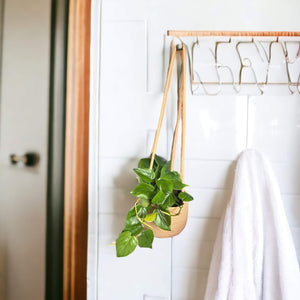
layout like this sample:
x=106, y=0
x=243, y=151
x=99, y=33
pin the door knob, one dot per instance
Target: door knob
x=29, y=159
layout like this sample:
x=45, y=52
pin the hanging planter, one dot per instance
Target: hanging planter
x=161, y=208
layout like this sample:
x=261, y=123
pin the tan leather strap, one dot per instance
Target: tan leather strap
x=181, y=115
x=163, y=107
x=181, y=111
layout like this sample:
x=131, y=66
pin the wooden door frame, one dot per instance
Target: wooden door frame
x=76, y=151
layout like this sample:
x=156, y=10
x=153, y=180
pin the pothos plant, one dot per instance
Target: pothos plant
x=159, y=189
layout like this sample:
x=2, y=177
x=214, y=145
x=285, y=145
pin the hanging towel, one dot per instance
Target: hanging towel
x=254, y=257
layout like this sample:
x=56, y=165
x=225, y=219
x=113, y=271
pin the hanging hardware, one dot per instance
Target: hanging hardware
x=210, y=33
x=194, y=72
x=245, y=62
x=235, y=86
x=296, y=56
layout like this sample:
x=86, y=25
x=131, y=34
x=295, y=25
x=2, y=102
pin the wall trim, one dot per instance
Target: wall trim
x=94, y=142
x=76, y=151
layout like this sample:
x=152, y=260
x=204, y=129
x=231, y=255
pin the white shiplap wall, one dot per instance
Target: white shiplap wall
x=125, y=102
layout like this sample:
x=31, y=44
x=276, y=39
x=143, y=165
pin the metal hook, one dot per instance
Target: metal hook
x=263, y=51
x=285, y=54
x=198, y=76
x=296, y=56
x=219, y=65
x=250, y=64
x=288, y=61
x=179, y=47
x=192, y=65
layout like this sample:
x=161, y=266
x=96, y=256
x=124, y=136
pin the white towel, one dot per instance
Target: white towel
x=254, y=256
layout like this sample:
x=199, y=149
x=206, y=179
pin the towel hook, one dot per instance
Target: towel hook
x=285, y=54
x=194, y=72
x=219, y=65
x=249, y=65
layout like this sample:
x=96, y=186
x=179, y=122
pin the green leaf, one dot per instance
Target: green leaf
x=143, y=190
x=140, y=180
x=185, y=196
x=135, y=229
x=157, y=171
x=174, y=177
x=145, y=174
x=178, y=185
x=146, y=239
x=165, y=185
x=144, y=163
x=131, y=218
x=142, y=211
x=166, y=169
x=171, y=175
x=169, y=201
x=160, y=160
x=162, y=220
x=159, y=198
x=126, y=243
x=150, y=217
x=144, y=202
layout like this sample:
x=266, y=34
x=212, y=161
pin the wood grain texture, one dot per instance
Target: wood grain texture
x=182, y=33
x=76, y=151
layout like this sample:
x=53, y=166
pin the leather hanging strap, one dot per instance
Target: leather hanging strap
x=181, y=110
x=181, y=115
x=163, y=107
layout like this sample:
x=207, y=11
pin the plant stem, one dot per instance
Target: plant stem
x=137, y=215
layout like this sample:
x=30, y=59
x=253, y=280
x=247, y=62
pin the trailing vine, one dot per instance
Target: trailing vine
x=159, y=189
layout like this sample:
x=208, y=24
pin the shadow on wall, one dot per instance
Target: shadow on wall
x=121, y=197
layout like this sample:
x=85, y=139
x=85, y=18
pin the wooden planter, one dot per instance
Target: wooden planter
x=177, y=223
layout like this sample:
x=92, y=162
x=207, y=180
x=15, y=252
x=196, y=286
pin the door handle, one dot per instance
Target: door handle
x=29, y=159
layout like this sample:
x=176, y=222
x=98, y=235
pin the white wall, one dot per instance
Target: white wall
x=125, y=105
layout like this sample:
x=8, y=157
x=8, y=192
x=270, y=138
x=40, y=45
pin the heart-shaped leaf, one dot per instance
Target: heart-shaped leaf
x=166, y=169
x=159, y=160
x=169, y=201
x=174, y=177
x=145, y=240
x=126, y=243
x=144, y=163
x=143, y=190
x=142, y=211
x=159, y=198
x=185, y=196
x=135, y=229
x=165, y=185
x=146, y=175
x=162, y=220
x=171, y=175
x=144, y=202
x=150, y=217
x=131, y=218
